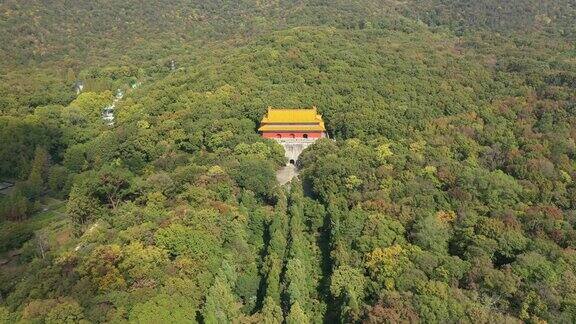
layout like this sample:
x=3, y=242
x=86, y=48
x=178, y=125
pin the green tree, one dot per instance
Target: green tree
x=256, y=175
x=58, y=181
x=380, y=231
x=348, y=285
x=16, y=206
x=7, y=317
x=141, y=264
x=274, y=267
x=182, y=240
x=101, y=267
x=297, y=315
x=67, y=311
x=114, y=184
x=298, y=284
x=82, y=206
x=38, y=177
x=432, y=234
x=221, y=305
x=164, y=308
x=271, y=312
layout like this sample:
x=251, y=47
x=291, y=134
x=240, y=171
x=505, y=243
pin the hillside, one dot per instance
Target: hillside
x=446, y=195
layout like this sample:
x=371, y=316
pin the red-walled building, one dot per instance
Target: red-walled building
x=292, y=123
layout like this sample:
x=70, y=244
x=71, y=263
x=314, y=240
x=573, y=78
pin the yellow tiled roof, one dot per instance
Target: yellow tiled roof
x=318, y=127
x=291, y=116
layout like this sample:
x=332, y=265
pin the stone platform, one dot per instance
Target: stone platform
x=294, y=146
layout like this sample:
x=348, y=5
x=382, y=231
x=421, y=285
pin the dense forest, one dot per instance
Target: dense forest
x=446, y=193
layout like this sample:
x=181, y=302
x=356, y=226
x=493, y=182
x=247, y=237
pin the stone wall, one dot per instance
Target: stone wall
x=293, y=147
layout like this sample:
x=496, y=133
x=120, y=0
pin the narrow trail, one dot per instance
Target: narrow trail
x=286, y=174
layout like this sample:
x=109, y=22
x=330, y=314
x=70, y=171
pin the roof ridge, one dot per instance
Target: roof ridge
x=292, y=115
x=311, y=108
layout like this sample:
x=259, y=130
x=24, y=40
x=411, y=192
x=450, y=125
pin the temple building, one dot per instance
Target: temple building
x=292, y=123
x=294, y=129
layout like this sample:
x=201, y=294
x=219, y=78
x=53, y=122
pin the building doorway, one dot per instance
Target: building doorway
x=292, y=161
x=292, y=136
x=278, y=135
x=305, y=135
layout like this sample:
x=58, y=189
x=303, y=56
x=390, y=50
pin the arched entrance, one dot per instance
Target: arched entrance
x=292, y=136
x=292, y=161
x=278, y=135
x=305, y=135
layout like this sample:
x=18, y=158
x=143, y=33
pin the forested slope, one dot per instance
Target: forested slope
x=446, y=195
x=49, y=29
x=552, y=17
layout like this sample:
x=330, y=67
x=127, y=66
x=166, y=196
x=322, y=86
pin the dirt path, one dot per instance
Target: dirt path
x=286, y=174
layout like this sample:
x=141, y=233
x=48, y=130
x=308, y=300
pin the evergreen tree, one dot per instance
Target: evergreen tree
x=271, y=312
x=274, y=266
x=222, y=305
x=297, y=315
x=38, y=176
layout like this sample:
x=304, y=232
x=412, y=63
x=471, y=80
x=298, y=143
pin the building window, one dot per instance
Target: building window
x=278, y=135
x=305, y=135
x=292, y=136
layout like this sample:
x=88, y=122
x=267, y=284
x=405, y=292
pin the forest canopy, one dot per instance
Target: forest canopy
x=445, y=192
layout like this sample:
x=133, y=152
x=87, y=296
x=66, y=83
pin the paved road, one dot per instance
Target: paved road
x=286, y=174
